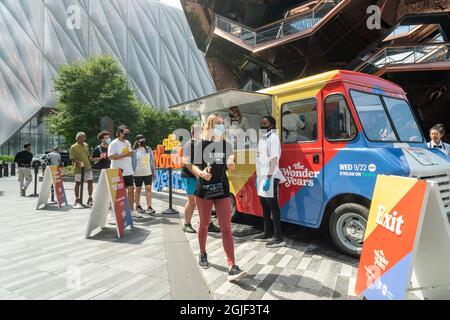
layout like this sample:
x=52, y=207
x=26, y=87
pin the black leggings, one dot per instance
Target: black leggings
x=270, y=205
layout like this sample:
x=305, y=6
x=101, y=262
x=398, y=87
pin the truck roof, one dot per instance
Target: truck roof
x=336, y=75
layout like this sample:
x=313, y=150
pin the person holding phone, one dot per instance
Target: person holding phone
x=213, y=156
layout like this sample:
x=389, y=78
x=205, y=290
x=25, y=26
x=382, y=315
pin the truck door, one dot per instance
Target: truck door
x=301, y=161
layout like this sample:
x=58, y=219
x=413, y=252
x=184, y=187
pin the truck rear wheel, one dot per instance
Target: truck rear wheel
x=347, y=227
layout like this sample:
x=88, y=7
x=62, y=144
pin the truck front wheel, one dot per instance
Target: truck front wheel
x=347, y=227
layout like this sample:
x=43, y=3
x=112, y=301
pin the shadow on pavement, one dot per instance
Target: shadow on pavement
x=135, y=236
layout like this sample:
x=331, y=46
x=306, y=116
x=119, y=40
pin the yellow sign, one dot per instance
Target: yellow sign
x=171, y=142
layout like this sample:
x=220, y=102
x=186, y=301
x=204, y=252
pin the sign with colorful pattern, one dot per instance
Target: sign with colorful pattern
x=393, y=235
x=52, y=178
x=110, y=190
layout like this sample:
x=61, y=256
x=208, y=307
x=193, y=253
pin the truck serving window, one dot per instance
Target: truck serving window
x=339, y=124
x=373, y=116
x=403, y=120
x=299, y=121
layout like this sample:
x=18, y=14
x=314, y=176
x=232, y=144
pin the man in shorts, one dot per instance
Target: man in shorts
x=79, y=154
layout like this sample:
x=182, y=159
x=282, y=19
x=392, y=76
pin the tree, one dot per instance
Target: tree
x=87, y=91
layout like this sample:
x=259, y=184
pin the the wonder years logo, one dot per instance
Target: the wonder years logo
x=299, y=175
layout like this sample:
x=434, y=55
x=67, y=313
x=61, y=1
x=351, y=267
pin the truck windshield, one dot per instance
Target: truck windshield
x=390, y=121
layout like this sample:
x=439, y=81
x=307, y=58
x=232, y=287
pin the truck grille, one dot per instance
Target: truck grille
x=443, y=182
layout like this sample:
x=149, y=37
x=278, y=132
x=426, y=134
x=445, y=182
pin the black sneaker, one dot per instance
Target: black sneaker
x=235, y=273
x=213, y=228
x=140, y=210
x=276, y=243
x=262, y=237
x=150, y=211
x=203, y=261
x=188, y=228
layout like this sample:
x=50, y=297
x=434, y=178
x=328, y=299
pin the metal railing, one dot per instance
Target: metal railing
x=397, y=55
x=280, y=29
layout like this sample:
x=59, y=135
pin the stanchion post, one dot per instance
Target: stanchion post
x=1, y=170
x=36, y=172
x=5, y=169
x=13, y=169
x=170, y=210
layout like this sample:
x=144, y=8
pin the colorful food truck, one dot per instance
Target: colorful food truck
x=338, y=131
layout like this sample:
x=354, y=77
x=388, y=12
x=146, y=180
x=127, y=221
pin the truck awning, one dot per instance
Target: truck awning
x=225, y=99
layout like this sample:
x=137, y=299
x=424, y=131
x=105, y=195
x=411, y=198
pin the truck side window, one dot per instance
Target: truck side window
x=299, y=121
x=339, y=124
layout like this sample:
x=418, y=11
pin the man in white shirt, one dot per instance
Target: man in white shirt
x=436, y=141
x=119, y=152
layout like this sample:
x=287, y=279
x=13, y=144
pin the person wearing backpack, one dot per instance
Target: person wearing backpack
x=143, y=166
x=99, y=156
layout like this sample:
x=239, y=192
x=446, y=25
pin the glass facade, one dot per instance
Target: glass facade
x=35, y=132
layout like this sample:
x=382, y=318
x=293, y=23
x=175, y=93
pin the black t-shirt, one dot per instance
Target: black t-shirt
x=23, y=158
x=104, y=163
x=216, y=154
x=188, y=150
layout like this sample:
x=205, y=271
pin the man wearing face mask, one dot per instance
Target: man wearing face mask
x=100, y=154
x=120, y=152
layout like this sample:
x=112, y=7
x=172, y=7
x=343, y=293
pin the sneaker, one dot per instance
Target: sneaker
x=262, y=237
x=213, y=228
x=136, y=214
x=235, y=273
x=22, y=192
x=150, y=211
x=275, y=243
x=188, y=228
x=203, y=261
x=140, y=210
x=90, y=202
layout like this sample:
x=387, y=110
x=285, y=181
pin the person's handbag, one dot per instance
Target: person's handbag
x=213, y=190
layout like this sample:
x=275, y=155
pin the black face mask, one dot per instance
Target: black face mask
x=142, y=143
x=266, y=128
x=126, y=135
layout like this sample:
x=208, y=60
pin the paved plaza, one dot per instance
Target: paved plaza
x=44, y=255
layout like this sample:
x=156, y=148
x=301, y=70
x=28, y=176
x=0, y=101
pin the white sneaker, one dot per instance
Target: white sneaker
x=136, y=214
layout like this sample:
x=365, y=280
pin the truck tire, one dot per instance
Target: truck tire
x=347, y=227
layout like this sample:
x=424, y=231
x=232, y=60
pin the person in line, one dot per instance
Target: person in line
x=436, y=140
x=54, y=157
x=79, y=154
x=23, y=159
x=120, y=153
x=268, y=177
x=99, y=156
x=213, y=156
x=143, y=167
x=190, y=181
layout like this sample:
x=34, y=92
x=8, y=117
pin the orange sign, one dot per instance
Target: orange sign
x=164, y=160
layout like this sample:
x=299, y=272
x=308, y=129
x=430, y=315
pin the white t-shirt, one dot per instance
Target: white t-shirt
x=118, y=147
x=268, y=148
x=143, y=163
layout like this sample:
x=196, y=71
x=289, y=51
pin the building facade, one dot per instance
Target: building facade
x=150, y=39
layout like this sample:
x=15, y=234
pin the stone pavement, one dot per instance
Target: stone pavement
x=43, y=255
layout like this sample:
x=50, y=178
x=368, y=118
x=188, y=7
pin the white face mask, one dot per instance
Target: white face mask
x=219, y=129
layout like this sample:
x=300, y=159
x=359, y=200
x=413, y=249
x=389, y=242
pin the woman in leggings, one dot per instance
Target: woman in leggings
x=213, y=156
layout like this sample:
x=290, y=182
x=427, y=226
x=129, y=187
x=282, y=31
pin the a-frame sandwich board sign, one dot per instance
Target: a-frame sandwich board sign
x=52, y=177
x=407, y=242
x=110, y=190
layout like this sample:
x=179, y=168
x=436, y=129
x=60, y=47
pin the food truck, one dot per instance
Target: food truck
x=338, y=131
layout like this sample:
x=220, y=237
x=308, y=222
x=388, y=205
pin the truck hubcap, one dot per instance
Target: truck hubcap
x=350, y=230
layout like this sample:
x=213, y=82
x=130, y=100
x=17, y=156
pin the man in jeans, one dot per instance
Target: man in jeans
x=120, y=152
x=23, y=160
x=79, y=154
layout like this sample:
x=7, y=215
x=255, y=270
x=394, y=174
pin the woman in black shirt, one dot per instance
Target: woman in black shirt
x=213, y=156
